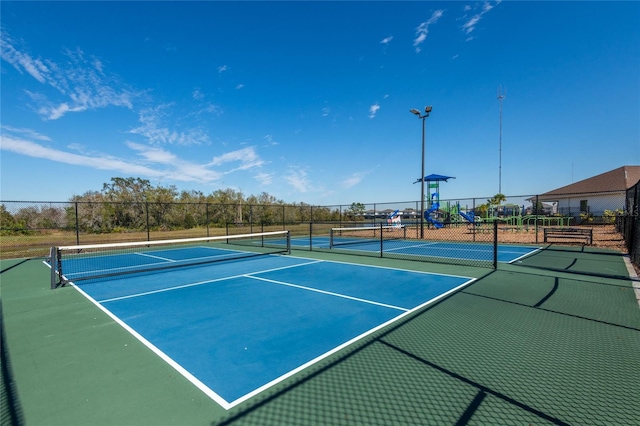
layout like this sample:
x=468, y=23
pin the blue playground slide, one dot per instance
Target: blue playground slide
x=470, y=217
x=427, y=215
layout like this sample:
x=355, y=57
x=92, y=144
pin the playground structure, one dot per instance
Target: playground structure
x=395, y=219
x=510, y=217
x=433, y=210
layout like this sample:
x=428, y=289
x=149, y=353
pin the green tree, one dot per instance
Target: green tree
x=228, y=206
x=160, y=201
x=9, y=225
x=356, y=210
x=127, y=198
x=495, y=201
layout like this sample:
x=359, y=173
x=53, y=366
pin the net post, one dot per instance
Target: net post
x=381, y=237
x=289, y=242
x=53, y=259
x=331, y=238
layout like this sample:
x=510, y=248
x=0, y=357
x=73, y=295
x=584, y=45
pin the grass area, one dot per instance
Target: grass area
x=38, y=243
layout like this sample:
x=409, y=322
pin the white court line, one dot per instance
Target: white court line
x=179, y=368
x=517, y=259
x=166, y=259
x=411, y=246
x=162, y=290
x=330, y=293
x=388, y=267
x=226, y=405
x=347, y=343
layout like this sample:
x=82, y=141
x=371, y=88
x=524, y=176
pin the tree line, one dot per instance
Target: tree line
x=136, y=204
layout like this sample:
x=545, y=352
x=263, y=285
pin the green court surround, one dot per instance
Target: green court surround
x=522, y=345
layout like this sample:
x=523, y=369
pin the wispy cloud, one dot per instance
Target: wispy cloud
x=470, y=25
x=222, y=68
x=247, y=157
x=29, y=133
x=21, y=61
x=386, y=40
x=174, y=167
x=423, y=29
x=81, y=81
x=151, y=127
x=270, y=140
x=265, y=178
x=197, y=94
x=297, y=178
x=149, y=161
x=103, y=162
x=354, y=179
x=373, y=109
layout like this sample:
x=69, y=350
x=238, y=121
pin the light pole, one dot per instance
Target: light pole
x=427, y=111
x=501, y=97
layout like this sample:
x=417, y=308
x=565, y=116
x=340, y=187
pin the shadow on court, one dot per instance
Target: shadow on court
x=515, y=347
x=578, y=260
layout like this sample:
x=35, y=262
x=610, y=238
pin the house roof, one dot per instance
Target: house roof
x=619, y=179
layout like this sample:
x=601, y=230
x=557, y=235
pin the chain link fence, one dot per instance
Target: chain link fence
x=29, y=229
x=628, y=223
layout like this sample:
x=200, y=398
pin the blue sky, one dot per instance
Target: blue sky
x=309, y=101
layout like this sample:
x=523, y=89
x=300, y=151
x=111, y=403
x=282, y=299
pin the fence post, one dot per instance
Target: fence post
x=251, y=218
x=374, y=214
x=146, y=206
x=418, y=219
x=537, y=214
x=495, y=244
x=77, y=227
x=206, y=215
x=473, y=206
x=381, y=244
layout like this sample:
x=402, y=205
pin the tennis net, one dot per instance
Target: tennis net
x=365, y=235
x=83, y=262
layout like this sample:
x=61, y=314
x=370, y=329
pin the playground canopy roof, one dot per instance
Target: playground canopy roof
x=434, y=178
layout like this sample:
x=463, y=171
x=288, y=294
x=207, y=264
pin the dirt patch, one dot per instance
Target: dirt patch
x=604, y=236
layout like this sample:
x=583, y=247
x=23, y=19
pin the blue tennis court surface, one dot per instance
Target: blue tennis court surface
x=507, y=253
x=237, y=327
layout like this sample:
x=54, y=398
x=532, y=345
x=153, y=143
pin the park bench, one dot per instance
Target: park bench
x=569, y=233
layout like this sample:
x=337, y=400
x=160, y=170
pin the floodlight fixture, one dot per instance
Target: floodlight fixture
x=428, y=109
x=414, y=111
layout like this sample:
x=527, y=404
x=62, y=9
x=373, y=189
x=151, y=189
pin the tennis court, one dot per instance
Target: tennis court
x=480, y=251
x=236, y=328
x=272, y=336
